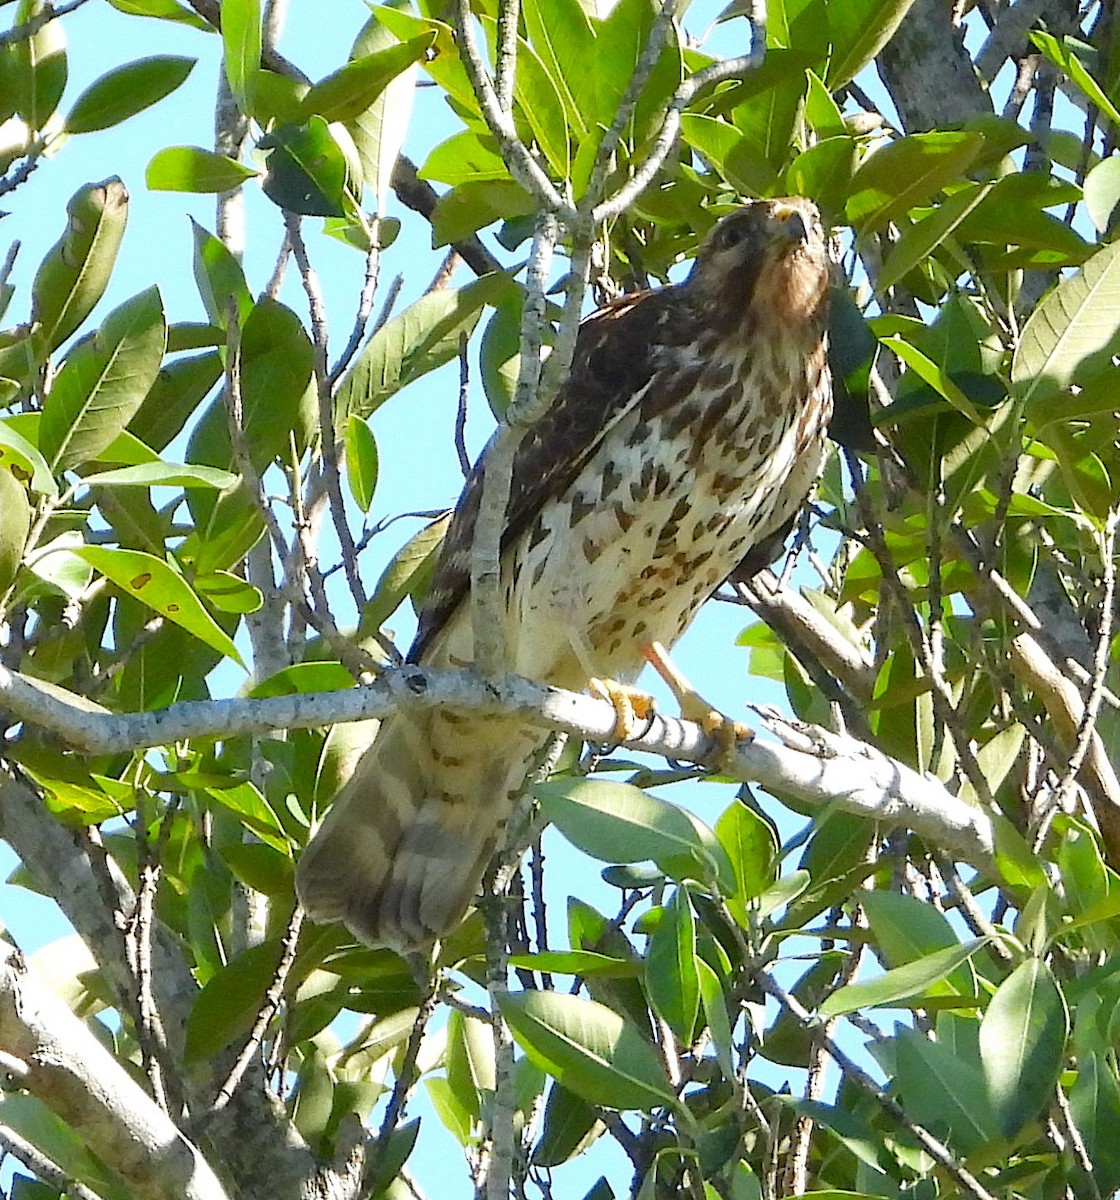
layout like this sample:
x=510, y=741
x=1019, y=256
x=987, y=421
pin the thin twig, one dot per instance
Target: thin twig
x=361, y=317
x=528, y=405
x=406, y=1072
x=461, y=410
x=29, y=28
x=329, y=446
x=267, y=1011
x=522, y=165
x=45, y=1169
x=939, y=1152
x=1088, y=726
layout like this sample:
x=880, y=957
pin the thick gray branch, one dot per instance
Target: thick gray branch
x=815, y=767
x=928, y=72
x=70, y=1071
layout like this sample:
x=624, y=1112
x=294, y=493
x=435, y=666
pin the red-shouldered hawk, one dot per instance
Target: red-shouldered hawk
x=688, y=434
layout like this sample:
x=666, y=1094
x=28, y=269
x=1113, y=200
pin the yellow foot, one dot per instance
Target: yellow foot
x=725, y=732
x=631, y=706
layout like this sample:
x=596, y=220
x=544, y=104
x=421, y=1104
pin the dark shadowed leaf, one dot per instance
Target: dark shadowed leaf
x=1022, y=1044
x=907, y=173
x=228, y=1004
x=103, y=382
x=943, y=1089
x=307, y=170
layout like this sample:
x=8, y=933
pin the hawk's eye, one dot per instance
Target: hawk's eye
x=734, y=233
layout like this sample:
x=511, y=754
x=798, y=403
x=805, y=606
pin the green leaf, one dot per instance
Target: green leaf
x=904, y=983
x=1023, y=1043
x=672, y=977
x=41, y=69
x=1061, y=53
x=246, y=800
x=125, y=91
x=907, y=173
x=565, y=43
x=470, y=206
x=228, y=592
x=20, y=456
x=464, y=158
x=241, y=44
x=151, y=581
x=576, y=962
x=191, y=169
x=351, y=90
x=103, y=382
x=470, y=1061
x=164, y=474
x=617, y=822
x=307, y=170
x=569, y=1126
x=360, y=453
x=220, y=278
x=939, y=1088
x=589, y=1049
x=415, y=342
x=73, y=276
x=752, y=848
x=228, y=1005
x=1072, y=331
x=379, y=130
x=925, y=368
x=860, y=29
x=31, y=1120
x=716, y=1018
x=409, y=566
x=179, y=388
x=1094, y=1101
x=15, y=521
x=924, y=236
x=499, y=356
x=164, y=10
x=1102, y=194
x=277, y=394
x=907, y=929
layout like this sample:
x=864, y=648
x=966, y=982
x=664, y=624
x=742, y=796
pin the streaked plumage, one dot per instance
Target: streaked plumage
x=689, y=433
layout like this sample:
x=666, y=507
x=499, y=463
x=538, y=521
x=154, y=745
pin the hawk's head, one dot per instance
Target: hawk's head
x=768, y=257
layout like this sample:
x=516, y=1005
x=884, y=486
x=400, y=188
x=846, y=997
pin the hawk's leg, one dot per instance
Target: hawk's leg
x=694, y=707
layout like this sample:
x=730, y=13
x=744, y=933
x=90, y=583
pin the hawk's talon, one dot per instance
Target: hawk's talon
x=725, y=732
x=630, y=706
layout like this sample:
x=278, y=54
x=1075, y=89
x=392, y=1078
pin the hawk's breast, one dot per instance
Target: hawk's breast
x=668, y=505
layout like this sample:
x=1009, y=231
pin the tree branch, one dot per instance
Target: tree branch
x=817, y=767
x=81, y=1082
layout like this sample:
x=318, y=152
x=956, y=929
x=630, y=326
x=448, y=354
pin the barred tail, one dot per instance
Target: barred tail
x=402, y=850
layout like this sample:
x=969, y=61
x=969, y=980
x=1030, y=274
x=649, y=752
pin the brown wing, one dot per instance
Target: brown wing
x=616, y=356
